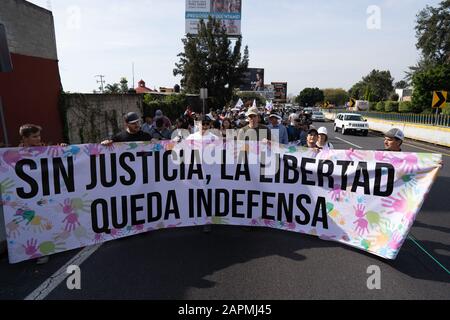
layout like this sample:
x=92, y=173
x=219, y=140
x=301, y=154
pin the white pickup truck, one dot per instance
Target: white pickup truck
x=351, y=122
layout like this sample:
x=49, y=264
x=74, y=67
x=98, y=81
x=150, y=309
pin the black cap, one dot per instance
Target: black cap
x=131, y=117
x=206, y=119
x=312, y=130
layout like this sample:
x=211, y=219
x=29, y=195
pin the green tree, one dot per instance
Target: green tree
x=376, y=86
x=337, y=97
x=402, y=84
x=310, y=96
x=432, y=32
x=425, y=82
x=210, y=61
x=123, y=85
x=112, y=88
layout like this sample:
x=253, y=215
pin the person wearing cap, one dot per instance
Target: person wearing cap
x=393, y=140
x=254, y=128
x=204, y=132
x=311, y=139
x=132, y=132
x=274, y=120
x=159, y=131
x=322, y=141
x=148, y=123
x=159, y=114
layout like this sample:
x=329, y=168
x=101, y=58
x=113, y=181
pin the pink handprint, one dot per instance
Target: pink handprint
x=396, y=161
x=71, y=222
x=254, y=222
x=337, y=193
x=93, y=149
x=361, y=222
x=360, y=210
x=269, y=223
x=410, y=163
x=139, y=228
x=99, y=238
x=395, y=204
x=361, y=226
x=11, y=157
x=380, y=155
x=67, y=207
x=353, y=154
x=31, y=248
x=35, y=151
x=290, y=225
x=395, y=242
x=115, y=233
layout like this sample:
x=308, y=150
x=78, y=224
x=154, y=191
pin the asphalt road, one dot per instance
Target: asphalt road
x=235, y=263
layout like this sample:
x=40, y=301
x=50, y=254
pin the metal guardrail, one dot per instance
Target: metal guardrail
x=441, y=120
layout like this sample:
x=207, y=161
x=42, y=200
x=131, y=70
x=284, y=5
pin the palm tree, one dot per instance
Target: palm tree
x=112, y=88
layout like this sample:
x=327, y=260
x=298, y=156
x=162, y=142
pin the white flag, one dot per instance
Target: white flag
x=269, y=105
x=254, y=104
x=240, y=103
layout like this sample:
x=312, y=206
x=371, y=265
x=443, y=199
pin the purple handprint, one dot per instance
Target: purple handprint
x=337, y=193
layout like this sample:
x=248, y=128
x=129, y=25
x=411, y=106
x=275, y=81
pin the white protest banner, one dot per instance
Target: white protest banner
x=62, y=198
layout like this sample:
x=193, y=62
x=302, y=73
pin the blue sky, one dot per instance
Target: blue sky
x=320, y=43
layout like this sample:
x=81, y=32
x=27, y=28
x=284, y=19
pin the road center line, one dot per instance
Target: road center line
x=352, y=144
x=53, y=281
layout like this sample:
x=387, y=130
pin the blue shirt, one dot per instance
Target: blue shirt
x=282, y=132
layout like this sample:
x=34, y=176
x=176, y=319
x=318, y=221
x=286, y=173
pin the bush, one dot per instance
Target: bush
x=391, y=106
x=394, y=97
x=446, y=109
x=172, y=106
x=380, y=106
x=405, y=107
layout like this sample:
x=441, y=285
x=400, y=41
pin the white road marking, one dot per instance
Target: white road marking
x=352, y=144
x=59, y=276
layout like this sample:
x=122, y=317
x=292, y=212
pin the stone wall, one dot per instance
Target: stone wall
x=91, y=118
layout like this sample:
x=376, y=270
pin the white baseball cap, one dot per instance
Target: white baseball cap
x=322, y=130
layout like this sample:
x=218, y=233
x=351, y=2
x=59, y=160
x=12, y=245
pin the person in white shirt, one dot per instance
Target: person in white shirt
x=322, y=141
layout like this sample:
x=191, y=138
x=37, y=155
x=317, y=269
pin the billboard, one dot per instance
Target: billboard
x=280, y=89
x=228, y=11
x=253, y=80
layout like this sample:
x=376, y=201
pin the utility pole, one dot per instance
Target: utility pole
x=101, y=81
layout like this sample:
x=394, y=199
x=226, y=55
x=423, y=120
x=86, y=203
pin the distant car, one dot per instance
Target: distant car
x=308, y=110
x=351, y=122
x=317, y=116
